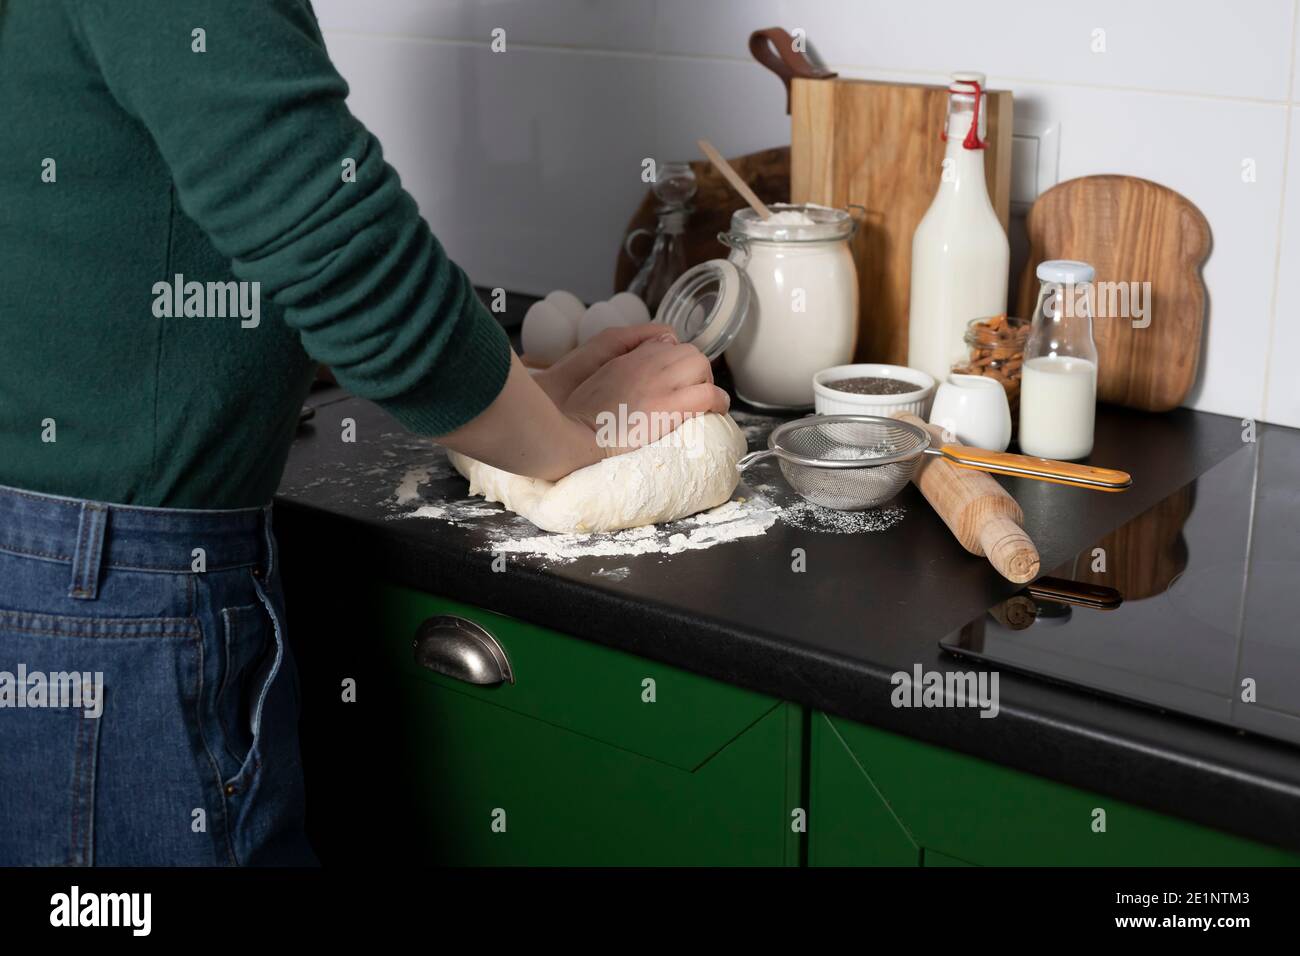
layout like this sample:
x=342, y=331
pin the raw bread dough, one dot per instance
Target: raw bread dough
x=690, y=469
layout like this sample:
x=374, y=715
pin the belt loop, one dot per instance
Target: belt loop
x=89, y=552
x=268, y=562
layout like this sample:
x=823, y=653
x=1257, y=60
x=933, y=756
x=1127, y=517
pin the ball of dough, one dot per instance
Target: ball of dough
x=547, y=335
x=569, y=304
x=601, y=316
x=690, y=469
x=632, y=307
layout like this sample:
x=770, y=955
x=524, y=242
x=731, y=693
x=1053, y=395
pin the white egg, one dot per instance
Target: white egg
x=547, y=335
x=632, y=308
x=601, y=316
x=569, y=304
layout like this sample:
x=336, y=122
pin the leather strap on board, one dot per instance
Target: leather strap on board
x=774, y=48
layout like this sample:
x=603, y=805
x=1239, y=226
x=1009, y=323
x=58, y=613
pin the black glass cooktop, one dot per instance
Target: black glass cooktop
x=1187, y=608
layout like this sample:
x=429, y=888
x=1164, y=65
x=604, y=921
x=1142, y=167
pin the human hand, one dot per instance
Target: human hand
x=560, y=379
x=641, y=395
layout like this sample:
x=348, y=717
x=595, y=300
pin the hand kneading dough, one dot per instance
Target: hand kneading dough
x=689, y=470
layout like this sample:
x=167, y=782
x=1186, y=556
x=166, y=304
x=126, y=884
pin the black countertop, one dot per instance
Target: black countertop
x=867, y=606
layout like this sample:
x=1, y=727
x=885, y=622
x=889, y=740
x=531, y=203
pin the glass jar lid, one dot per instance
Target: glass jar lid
x=1065, y=272
x=707, y=305
x=793, y=222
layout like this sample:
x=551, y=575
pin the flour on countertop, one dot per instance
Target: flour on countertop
x=460, y=512
x=810, y=517
x=428, y=511
x=759, y=507
x=730, y=521
x=409, y=488
x=755, y=426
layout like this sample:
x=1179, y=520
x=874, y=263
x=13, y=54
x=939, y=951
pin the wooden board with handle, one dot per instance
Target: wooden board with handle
x=1131, y=231
x=979, y=512
x=878, y=145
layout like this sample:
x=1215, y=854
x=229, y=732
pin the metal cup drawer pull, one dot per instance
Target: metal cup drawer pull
x=460, y=649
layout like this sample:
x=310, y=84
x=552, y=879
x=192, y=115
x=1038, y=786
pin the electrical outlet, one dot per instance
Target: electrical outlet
x=1035, y=160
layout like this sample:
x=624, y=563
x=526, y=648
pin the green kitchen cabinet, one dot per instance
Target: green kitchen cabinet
x=880, y=798
x=590, y=757
x=850, y=821
x=595, y=756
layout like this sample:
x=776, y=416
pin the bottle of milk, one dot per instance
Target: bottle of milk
x=1058, y=387
x=960, y=255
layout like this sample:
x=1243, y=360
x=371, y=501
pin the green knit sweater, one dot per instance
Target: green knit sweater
x=146, y=140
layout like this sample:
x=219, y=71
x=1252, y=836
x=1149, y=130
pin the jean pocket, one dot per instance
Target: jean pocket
x=254, y=652
x=47, y=790
x=71, y=792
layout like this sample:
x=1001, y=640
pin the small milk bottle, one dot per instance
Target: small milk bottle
x=1058, y=388
x=960, y=255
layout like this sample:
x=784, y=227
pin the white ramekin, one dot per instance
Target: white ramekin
x=829, y=401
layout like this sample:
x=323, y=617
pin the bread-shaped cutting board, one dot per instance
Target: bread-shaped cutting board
x=1153, y=241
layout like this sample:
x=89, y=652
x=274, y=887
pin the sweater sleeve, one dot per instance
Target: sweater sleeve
x=256, y=133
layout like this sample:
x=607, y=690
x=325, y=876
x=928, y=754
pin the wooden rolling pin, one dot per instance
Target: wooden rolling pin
x=977, y=510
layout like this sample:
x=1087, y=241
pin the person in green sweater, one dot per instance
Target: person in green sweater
x=191, y=220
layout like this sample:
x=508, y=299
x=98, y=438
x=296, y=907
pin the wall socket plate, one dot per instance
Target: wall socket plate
x=1035, y=160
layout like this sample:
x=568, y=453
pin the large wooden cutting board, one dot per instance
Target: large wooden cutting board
x=878, y=145
x=1133, y=231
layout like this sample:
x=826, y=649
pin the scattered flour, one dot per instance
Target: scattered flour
x=810, y=517
x=408, y=489
x=460, y=512
x=756, y=427
x=727, y=522
x=428, y=511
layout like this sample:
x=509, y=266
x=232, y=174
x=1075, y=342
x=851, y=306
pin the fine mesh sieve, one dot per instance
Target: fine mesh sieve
x=856, y=462
x=845, y=462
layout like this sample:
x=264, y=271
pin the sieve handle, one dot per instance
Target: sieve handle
x=1039, y=469
x=753, y=458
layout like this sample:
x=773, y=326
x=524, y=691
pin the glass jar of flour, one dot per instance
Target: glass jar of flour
x=783, y=305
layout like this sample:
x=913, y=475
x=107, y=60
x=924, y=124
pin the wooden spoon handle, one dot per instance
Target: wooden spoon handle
x=733, y=177
x=1039, y=469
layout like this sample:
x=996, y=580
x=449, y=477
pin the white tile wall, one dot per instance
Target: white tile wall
x=723, y=100
x=1283, y=402
x=526, y=163
x=1195, y=146
x=602, y=24
x=1204, y=46
x=1295, y=48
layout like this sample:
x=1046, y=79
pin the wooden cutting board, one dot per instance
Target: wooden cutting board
x=1130, y=230
x=878, y=145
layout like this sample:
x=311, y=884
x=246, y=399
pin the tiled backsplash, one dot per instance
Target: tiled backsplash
x=527, y=162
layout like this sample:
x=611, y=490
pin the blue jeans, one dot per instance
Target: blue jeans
x=148, y=700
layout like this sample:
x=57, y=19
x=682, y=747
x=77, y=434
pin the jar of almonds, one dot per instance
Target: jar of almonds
x=997, y=349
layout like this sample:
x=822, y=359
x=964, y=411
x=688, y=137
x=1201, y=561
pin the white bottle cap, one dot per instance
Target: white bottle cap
x=965, y=79
x=1065, y=271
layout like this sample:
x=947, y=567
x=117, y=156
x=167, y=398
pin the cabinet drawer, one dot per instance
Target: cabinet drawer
x=975, y=811
x=651, y=709
x=490, y=786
